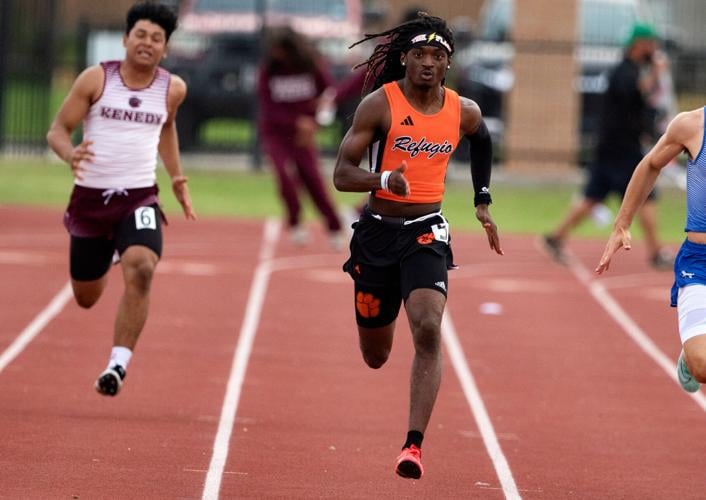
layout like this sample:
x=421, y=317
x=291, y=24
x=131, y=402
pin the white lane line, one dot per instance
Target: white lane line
x=635, y=280
x=485, y=426
x=241, y=356
x=37, y=325
x=611, y=306
x=15, y=257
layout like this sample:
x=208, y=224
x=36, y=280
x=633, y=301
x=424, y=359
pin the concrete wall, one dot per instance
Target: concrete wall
x=101, y=13
x=542, y=116
x=447, y=9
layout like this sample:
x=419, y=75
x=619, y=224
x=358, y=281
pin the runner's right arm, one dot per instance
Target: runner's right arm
x=85, y=90
x=372, y=115
x=680, y=133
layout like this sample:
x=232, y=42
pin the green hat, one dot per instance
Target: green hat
x=641, y=31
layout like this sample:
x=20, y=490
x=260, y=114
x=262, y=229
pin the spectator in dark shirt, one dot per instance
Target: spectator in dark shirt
x=290, y=81
x=627, y=120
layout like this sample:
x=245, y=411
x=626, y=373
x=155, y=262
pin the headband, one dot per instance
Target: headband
x=429, y=39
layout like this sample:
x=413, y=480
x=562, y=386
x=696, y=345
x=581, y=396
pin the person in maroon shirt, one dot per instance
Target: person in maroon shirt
x=290, y=81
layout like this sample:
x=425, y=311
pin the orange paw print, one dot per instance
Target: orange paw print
x=367, y=305
x=425, y=239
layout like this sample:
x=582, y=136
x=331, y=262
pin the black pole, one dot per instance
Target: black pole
x=260, y=9
x=50, y=30
x=83, y=30
x=5, y=7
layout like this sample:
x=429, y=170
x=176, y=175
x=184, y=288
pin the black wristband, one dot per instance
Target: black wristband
x=482, y=198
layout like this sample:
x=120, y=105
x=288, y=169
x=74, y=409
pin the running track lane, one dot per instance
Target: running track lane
x=313, y=421
x=58, y=438
x=584, y=412
x=579, y=409
x=25, y=254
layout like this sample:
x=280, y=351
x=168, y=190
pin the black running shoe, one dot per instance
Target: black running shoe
x=110, y=381
x=662, y=260
x=554, y=248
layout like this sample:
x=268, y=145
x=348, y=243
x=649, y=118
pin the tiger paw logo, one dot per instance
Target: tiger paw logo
x=425, y=239
x=367, y=304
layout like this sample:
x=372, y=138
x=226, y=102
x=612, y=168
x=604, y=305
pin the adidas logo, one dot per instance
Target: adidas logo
x=441, y=285
x=407, y=121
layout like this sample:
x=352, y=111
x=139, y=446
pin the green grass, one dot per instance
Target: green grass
x=228, y=132
x=517, y=209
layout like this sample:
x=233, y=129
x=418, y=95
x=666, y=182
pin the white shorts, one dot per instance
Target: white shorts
x=691, y=308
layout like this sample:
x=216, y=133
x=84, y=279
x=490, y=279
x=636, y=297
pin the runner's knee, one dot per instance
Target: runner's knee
x=84, y=300
x=427, y=335
x=696, y=362
x=375, y=358
x=87, y=293
x=139, y=274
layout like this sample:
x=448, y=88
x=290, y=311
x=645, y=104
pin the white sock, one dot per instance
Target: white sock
x=119, y=356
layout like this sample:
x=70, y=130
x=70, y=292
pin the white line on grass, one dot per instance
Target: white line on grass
x=38, y=323
x=241, y=356
x=611, y=306
x=468, y=384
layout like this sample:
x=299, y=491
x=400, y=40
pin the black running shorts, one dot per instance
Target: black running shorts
x=391, y=257
x=91, y=257
x=611, y=175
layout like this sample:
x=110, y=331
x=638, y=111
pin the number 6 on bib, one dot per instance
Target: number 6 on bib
x=145, y=218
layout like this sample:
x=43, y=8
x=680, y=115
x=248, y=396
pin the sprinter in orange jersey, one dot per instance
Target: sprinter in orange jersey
x=409, y=125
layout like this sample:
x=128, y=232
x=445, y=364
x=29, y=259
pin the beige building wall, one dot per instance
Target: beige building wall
x=447, y=9
x=113, y=12
x=105, y=13
x=542, y=116
x=460, y=14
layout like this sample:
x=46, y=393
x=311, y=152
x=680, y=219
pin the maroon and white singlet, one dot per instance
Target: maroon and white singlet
x=124, y=125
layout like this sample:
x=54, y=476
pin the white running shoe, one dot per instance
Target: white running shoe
x=336, y=241
x=299, y=236
x=686, y=380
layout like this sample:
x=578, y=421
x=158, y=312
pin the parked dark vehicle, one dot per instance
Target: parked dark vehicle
x=485, y=68
x=217, y=47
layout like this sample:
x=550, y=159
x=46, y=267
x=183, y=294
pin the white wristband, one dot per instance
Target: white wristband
x=383, y=180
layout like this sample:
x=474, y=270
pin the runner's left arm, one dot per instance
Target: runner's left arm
x=474, y=128
x=169, y=147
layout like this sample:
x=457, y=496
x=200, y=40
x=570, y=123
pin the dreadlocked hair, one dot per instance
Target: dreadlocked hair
x=383, y=65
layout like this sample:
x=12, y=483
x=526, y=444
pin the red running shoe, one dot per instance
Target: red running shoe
x=409, y=463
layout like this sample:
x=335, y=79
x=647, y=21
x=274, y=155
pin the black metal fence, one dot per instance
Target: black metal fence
x=33, y=50
x=27, y=60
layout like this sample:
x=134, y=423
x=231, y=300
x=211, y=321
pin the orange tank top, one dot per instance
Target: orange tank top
x=425, y=142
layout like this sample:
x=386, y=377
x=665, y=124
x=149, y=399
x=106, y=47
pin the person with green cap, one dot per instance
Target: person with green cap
x=684, y=134
x=627, y=120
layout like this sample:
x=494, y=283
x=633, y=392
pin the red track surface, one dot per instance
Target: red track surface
x=580, y=411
